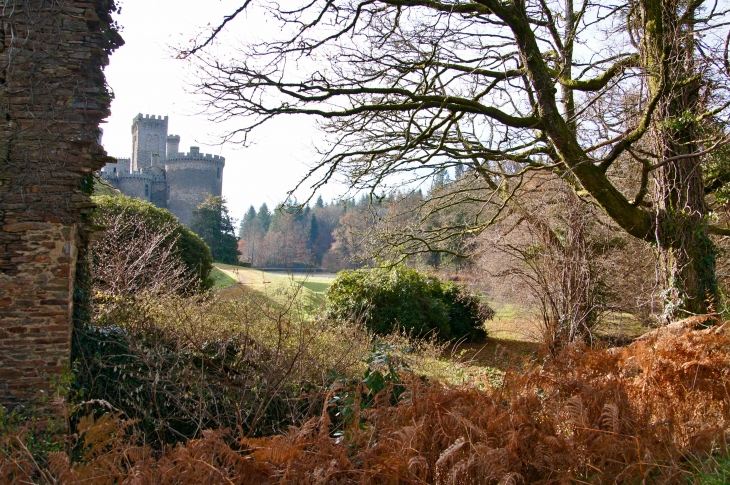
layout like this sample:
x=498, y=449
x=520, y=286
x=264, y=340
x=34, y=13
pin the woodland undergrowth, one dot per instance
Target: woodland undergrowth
x=646, y=413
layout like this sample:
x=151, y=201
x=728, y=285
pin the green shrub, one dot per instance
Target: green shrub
x=191, y=250
x=403, y=299
x=181, y=364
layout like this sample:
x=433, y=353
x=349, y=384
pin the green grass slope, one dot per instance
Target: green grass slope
x=221, y=279
x=279, y=287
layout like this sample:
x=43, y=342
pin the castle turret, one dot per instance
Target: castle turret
x=173, y=145
x=149, y=135
x=190, y=178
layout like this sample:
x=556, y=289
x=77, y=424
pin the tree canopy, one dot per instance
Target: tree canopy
x=623, y=100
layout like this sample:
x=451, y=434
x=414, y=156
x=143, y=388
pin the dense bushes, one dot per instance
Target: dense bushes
x=180, y=365
x=142, y=247
x=403, y=299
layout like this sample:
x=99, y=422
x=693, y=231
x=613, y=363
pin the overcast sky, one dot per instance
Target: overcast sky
x=146, y=79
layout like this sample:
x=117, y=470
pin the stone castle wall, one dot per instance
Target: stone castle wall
x=158, y=194
x=138, y=185
x=190, y=178
x=52, y=100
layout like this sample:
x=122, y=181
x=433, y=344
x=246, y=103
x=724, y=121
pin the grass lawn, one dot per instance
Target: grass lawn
x=316, y=285
x=513, y=335
x=277, y=286
x=619, y=328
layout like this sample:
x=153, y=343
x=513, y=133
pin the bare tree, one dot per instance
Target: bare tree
x=132, y=256
x=553, y=251
x=408, y=88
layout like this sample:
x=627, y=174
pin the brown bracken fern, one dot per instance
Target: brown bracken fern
x=631, y=415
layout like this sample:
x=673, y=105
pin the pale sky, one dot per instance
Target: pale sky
x=146, y=79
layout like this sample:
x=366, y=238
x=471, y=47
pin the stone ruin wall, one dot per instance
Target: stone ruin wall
x=53, y=97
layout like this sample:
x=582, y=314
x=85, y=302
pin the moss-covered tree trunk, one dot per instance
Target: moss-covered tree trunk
x=686, y=253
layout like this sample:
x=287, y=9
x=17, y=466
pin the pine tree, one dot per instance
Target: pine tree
x=264, y=217
x=458, y=171
x=213, y=223
x=247, y=223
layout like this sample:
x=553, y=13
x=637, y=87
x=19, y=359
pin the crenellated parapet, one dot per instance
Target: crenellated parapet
x=149, y=119
x=140, y=176
x=195, y=155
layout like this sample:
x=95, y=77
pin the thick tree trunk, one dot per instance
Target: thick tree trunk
x=686, y=253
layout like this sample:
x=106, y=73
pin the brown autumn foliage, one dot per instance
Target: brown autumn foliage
x=622, y=415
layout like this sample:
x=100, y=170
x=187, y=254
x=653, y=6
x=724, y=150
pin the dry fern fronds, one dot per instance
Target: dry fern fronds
x=449, y=452
x=610, y=418
x=587, y=416
x=577, y=413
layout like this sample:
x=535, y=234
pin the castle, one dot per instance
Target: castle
x=159, y=173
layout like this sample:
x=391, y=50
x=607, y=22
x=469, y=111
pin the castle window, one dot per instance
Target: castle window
x=115, y=169
x=146, y=190
x=218, y=172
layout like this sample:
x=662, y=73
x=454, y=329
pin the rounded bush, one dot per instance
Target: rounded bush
x=193, y=252
x=404, y=299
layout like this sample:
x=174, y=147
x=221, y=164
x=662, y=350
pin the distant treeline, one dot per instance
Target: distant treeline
x=293, y=236
x=339, y=235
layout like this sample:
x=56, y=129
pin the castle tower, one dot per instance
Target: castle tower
x=173, y=145
x=139, y=185
x=190, y=178
x=149, y=135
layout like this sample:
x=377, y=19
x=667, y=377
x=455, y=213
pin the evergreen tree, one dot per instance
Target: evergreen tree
x=247, y=223
x=458, y=171
x=320, y=203
x=264, y=217
x=440, y=180
x=299, y=214
x=213, y=223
